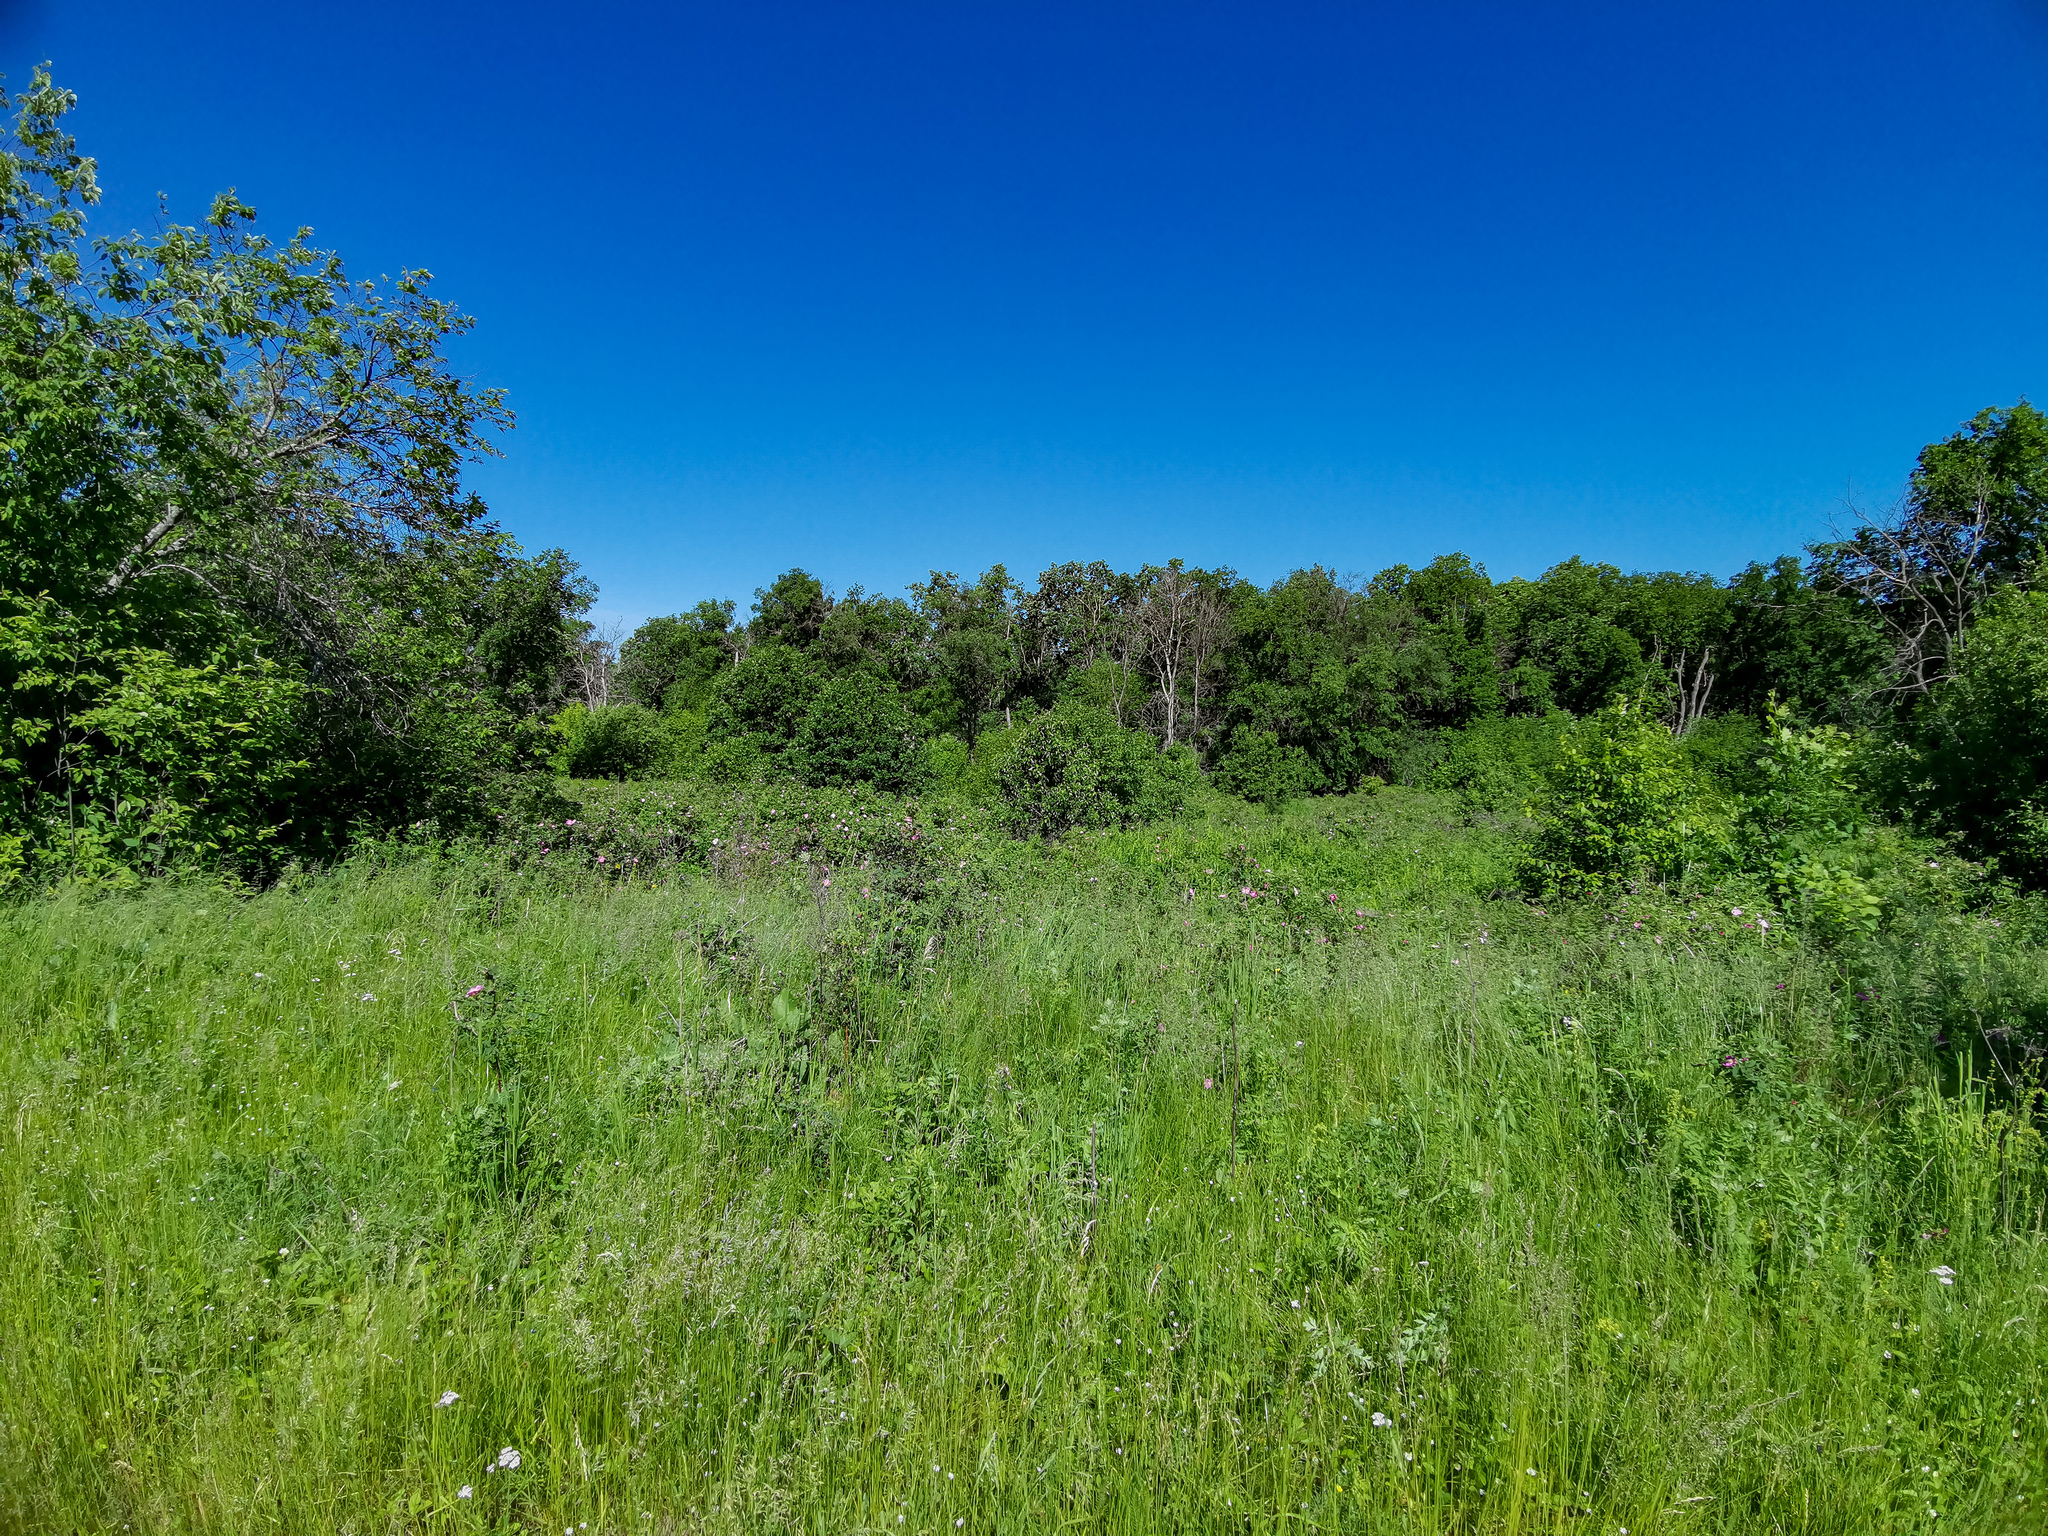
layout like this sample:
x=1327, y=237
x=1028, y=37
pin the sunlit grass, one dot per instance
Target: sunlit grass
x=1519, y=1223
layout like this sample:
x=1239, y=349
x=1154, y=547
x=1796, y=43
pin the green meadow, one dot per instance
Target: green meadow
x=813, y=1161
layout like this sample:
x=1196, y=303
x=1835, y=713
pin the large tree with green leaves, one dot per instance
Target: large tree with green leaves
x=1973, y=522
x=224, y=454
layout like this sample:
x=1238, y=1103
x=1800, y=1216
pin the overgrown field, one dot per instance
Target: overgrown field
x=1253, y=1173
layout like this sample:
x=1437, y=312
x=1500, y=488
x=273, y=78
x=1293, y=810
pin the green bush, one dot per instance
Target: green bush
x=1498, y=764
x=947, y=762
x=859, y=731
x=1722, y=749
x=167, y=763
x=764, y=698
x=1977, y=767
x=732, y=760
x=1621, y=806
x=683, y=752
x=1799, y=825
x=1075, y=767
x=613, y=741
x=1260, y=769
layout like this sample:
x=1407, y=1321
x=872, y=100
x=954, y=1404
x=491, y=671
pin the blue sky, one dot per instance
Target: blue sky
x=873, y=289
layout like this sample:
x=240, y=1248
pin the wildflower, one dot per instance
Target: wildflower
x=368, y=997
x=1735, y=911
x=465, y=1492
x=1208, y=1082
x=1944, y=1274
x=448, y=1400
x=473, y=991
x=394, y=1084
x=508, y=1458
x=1380, y=1420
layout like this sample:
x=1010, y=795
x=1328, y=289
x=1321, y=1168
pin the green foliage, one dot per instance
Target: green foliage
x=791, y=611
x=616, y=741
x=1260, y=769
x=857, y=730
x=220, y=448
x=974, y=646
x=1620, y=808
x=947, y=762
x=1996, y=467
x=1722, y=750
x=1805, y=793
x=733, y=760
x=764, y=699
x=1075, y=767
x=670, y=663
x=1499, y=765
x=1976, y=762
x=1803, y=642
x=161, y=763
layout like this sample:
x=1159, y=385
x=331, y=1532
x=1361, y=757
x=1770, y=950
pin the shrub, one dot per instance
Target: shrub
x=613, y=741
x=1620, y=806
x=683, y=751
x=1260, y=769
x=1498, y=764
x=1075, y=767
x=764, y=698
x=163, y=763
x=732, y=760
x=946, y=762
x=1979, y=765
x=858, y=731
x=1723, y=749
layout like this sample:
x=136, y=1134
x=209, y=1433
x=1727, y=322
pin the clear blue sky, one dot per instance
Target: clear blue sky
x=874, y=288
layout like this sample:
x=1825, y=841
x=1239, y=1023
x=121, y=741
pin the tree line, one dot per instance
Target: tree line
x=248, y=610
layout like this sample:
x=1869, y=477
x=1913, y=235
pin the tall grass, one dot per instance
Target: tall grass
x=1061, y=1197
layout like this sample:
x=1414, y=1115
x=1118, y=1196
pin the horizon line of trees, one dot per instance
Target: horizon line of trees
x=1322, y=682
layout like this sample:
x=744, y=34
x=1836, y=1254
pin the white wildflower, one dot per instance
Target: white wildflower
x=448, y=1400
x=508, y=1458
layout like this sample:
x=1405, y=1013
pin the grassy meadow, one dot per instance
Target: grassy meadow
x=805, y=1162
